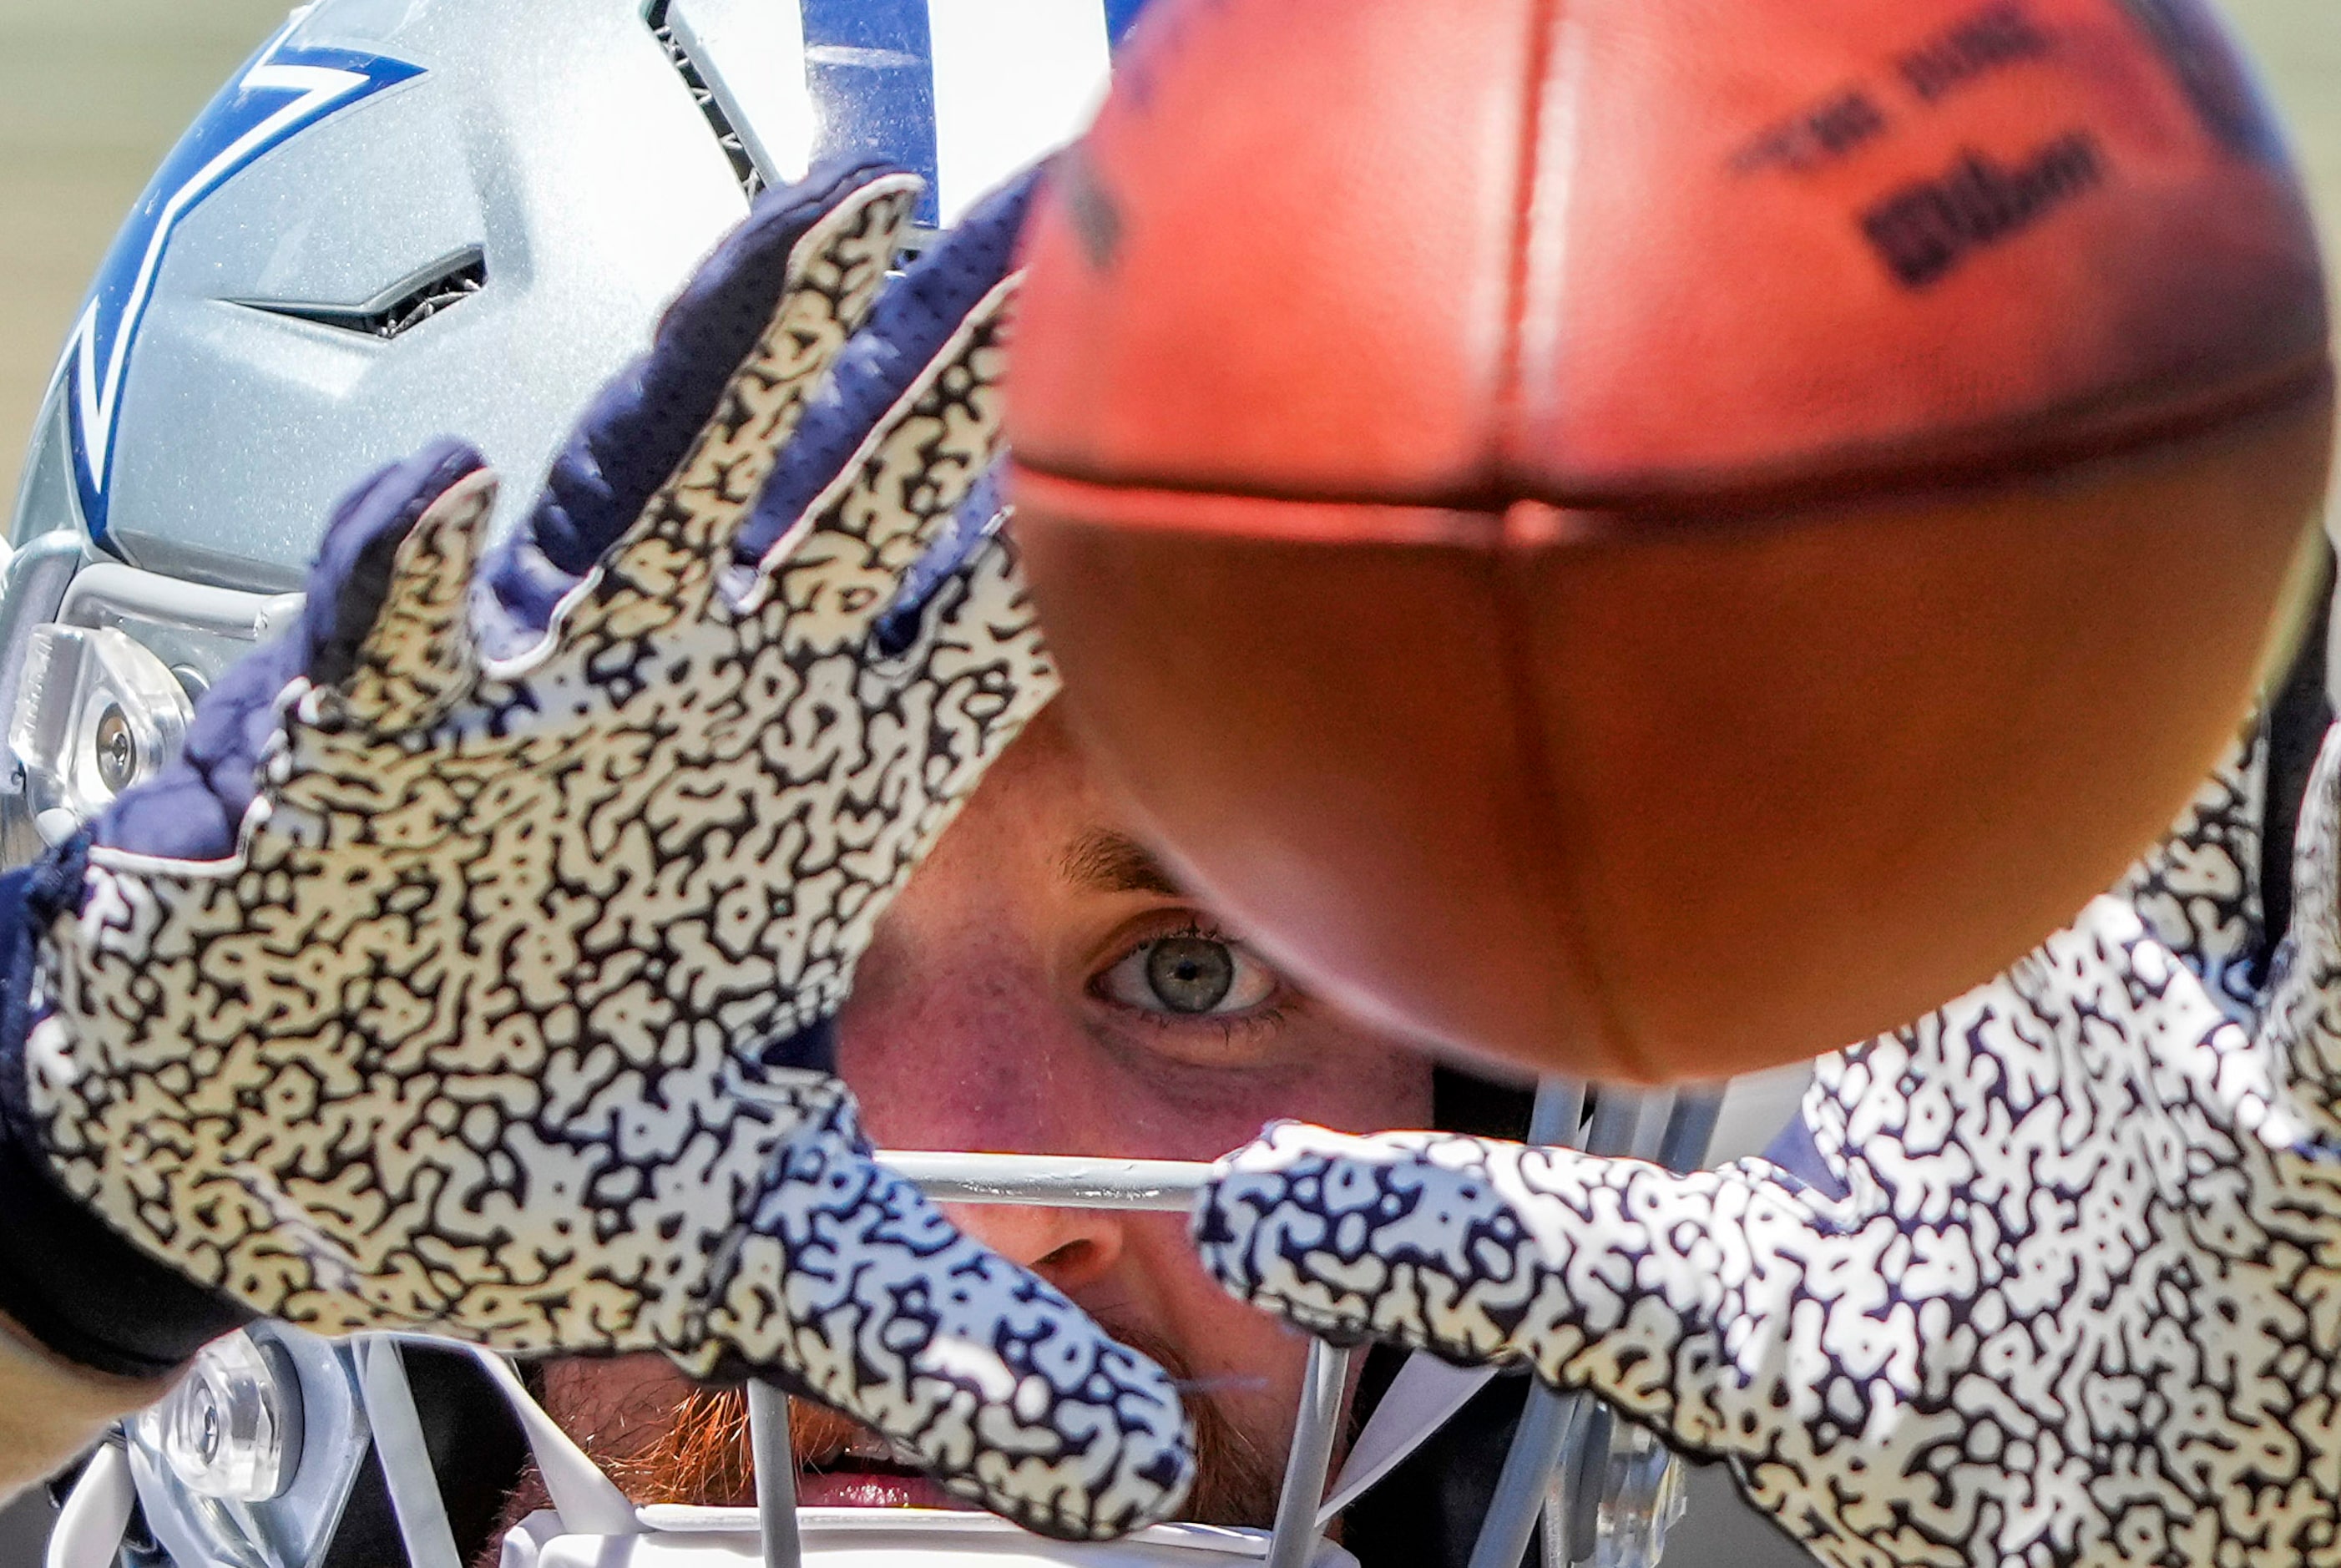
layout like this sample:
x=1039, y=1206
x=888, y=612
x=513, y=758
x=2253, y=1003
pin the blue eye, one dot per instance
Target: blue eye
x=1189, y=975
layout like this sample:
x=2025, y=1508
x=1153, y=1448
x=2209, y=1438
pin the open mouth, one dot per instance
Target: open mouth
x=665, y=1442
x=871, y=1486
x=855, y=1468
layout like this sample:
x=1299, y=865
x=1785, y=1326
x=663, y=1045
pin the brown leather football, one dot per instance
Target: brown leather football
x=1651, y=537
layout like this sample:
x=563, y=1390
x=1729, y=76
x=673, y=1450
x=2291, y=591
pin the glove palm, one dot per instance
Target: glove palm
x=2079, y=1300
x=497, y=1006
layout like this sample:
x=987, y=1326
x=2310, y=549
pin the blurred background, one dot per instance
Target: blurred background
x=93, y=92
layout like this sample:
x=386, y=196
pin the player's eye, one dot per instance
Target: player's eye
x=1189, y=975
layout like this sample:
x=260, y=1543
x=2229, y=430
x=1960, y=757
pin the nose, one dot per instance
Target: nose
x=1070, y=1248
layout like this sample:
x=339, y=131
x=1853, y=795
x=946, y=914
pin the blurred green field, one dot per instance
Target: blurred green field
x=92, y=92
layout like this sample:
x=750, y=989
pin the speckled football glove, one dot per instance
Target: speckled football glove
x=473, y=972
x=2077, y=1297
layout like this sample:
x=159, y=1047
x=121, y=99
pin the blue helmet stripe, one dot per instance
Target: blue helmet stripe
x=877, y=73
x=1119, y=15
x=283, y=91
x=871, y=67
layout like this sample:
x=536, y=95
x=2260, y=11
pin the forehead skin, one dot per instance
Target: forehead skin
x=975, y=1024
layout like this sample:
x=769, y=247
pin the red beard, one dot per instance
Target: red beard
x=664, y=1441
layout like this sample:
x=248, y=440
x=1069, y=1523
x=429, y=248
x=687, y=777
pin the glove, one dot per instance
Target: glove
x=2074, y=1297
x=472, y=974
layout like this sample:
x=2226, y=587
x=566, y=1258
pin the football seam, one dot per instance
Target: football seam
x=1619, y=1047
x=1979, y=457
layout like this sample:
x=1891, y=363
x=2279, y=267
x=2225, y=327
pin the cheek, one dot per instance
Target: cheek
x=901, y=1088
x=1327, y=1075
x=1365, y=1085
x=931, y=1075
x=961, y=1042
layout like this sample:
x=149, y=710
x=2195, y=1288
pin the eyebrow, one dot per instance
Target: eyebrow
x=1103, y=861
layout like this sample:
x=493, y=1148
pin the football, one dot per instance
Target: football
x=1651, y=537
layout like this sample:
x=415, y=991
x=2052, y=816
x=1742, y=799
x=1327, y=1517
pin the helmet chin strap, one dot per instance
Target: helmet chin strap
x=1674, y=1128
x=589, y=1503
x=89, y=1528
x=1426, y=1392
x=1423, y=1397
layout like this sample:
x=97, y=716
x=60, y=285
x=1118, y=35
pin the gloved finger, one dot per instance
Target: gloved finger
x=906, y=425
x=1656, y=1290
x=845, y=564
x=662, y=469
x=355, y=566
x=926, y=584
x=666, y=566
x=418, y=658
x=858, y=1291
x=959, y=660
x=194, y=809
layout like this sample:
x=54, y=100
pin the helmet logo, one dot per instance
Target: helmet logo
x=284, y=90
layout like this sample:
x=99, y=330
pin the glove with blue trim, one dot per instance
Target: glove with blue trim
x=2062, y=1287
x=472, y=973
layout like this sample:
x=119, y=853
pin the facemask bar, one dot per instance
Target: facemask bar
x=1560, y=1470
x=99, y=666
x=1604, y=1492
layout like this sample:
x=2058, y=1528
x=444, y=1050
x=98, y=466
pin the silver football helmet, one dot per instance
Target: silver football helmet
x=403, y=218
x=407, y=217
